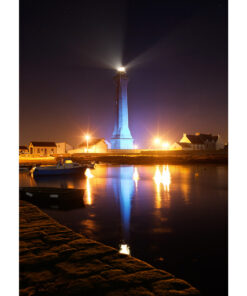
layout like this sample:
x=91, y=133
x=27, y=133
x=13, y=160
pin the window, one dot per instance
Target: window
x=38, y=150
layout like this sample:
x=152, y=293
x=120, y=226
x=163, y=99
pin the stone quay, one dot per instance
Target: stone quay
x=54, y=260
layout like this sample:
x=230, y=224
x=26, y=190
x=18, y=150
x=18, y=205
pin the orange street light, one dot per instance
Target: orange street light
x=157, y=141
x=87, y=137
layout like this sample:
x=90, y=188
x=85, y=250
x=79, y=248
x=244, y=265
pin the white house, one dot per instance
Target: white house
x=180, y=146
x=63, y=148
x=92, y=146
x=199, y=142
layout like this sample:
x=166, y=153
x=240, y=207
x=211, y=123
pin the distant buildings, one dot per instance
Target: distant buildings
x=42, y=148
x=63, y=148
x=199, y=142
x=23, y=150
x=92, y=146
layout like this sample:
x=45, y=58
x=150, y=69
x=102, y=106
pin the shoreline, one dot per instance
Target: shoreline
x=159, y=157
x=54, y=260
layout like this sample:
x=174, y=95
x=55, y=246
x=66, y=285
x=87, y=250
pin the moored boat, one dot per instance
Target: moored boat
x=63, y=167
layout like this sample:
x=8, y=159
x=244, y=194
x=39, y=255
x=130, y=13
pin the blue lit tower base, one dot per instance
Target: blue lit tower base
x=121, y=137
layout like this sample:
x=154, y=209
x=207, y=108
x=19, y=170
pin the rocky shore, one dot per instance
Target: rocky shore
x=54, y=260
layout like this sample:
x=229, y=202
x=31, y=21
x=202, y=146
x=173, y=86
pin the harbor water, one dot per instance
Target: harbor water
x=172, y=216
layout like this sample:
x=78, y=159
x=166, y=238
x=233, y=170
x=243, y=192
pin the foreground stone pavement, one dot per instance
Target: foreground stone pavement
x=54, y=260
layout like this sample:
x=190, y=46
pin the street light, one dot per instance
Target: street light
x=165, y=145
x=87, y=137
x=157, y=141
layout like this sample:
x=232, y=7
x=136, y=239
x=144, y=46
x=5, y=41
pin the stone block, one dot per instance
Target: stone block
x=174, y=286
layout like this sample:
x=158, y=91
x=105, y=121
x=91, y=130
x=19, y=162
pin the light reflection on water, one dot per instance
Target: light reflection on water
x=136, y=177
x=162, y=181
x=149, y=211
x=89, y=176
x=123, y=187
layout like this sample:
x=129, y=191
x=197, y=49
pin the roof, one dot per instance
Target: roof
x=184, y=145
x=208, y=137
x=91, y=142
x=201, y=138
x=44, y=144
x=23, y=147
x=194, y=139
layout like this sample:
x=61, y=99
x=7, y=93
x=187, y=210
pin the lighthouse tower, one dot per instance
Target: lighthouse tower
x=121, y=137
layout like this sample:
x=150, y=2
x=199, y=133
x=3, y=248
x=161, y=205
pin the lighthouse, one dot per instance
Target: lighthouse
x=121, y=137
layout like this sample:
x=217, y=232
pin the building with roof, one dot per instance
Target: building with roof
x=94, y=145
x=63, y=148
x=199, y=142
x=180, y=146
x=23, y=150
x=42, y=148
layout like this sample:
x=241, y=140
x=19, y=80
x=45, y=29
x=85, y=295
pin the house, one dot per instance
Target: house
x=200, y=142
x=92, y=146
x=180, y=146
x=42, y=148
x=23, y=150
x=63, y=148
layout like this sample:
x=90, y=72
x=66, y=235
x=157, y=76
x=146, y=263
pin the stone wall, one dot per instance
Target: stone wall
x=54, y=260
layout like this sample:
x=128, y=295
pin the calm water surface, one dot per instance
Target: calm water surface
x=174, y=217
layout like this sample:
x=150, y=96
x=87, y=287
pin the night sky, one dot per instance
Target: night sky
x=176, y=58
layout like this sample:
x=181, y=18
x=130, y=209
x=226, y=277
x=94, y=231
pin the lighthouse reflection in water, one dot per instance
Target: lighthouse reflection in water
x=124, y=187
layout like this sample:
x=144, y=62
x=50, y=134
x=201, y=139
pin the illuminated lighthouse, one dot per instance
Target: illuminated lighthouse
x=121, y=137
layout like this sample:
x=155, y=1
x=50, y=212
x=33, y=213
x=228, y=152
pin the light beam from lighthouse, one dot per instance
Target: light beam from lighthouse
x=121, y=137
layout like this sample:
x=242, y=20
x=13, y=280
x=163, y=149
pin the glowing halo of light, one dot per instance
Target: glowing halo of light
x=124, y=249
x=165, y=145
x=88, y=173
x=157, y=141
x=121, y=69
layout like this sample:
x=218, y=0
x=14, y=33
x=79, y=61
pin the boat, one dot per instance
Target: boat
x=63, y=167
x=52, y=197
x=91, y=165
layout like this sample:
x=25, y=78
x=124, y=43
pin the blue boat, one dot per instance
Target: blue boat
x=63, y=167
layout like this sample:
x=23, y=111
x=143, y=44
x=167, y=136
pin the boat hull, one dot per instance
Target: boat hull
x=57, y=172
